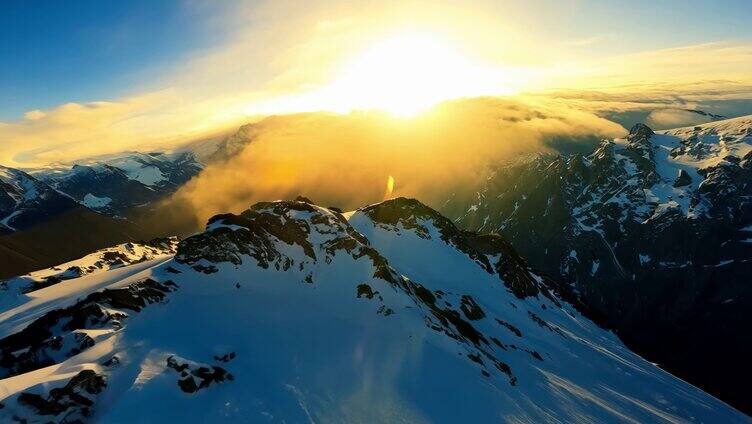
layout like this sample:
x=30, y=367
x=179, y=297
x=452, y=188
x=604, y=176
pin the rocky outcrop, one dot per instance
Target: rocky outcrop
x=683, y=179
x=194, y=376
x=71, y=403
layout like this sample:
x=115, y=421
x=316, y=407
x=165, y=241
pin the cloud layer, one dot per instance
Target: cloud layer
x=277, y=56
x=346, y=160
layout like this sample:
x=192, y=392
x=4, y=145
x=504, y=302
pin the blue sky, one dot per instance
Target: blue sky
x=83, y=50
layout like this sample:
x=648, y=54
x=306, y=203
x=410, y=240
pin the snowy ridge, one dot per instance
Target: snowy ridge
x=100, y=261
x=291, y=312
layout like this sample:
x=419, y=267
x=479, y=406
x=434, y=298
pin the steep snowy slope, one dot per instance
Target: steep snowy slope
x=653, y=233
x=116, y=183
x=290, y=312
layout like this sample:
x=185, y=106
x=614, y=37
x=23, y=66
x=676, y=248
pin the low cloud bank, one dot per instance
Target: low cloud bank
x=346, y=160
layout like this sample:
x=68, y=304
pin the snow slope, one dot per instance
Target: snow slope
x=290, y=312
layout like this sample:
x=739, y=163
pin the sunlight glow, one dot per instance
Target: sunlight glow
x=407, y=74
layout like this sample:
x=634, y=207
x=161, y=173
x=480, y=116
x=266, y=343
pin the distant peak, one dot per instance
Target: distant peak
x=394, y=210
x=304, y=200
x=640, y=130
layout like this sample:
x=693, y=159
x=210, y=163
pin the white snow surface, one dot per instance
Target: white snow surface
x=139, y=170
x=93, y=202
x=316, y=352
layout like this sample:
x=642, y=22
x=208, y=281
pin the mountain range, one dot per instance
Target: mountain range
x=85, y=203
x=116, y=184
x=653, y=232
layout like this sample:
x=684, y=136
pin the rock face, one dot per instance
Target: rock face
x=294, y=312
x=62, y=333
x=194, y=376
x=653, y=233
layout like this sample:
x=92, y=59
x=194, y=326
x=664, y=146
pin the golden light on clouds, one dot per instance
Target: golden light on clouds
x=398, y=56
x=409, y=72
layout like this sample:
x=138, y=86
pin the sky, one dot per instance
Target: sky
x=76, y=76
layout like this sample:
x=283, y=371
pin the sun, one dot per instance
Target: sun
x=408, y=73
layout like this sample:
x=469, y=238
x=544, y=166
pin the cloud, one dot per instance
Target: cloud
x=662, y=105
x=587, y=41
x=345, y=160
x=34, y=115
x=707, y=63
x=81, y=129
x=675, y=118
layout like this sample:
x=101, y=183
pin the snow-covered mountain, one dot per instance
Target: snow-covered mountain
x=653, y=232
x=117, y=183
x=25, y=201
x=293, y=312
x=40, y=226
x=102, y=260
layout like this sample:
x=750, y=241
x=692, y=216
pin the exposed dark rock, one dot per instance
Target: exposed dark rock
x=195, y=376
x=304, y=200
x=683, y=179
x=365, y=290
x=471, y=309
x=510, y=327
x=211, y=269
x=227, y=357
x=640, y=131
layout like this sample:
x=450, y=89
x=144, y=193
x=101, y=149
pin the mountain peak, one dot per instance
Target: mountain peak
x=640, y=130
